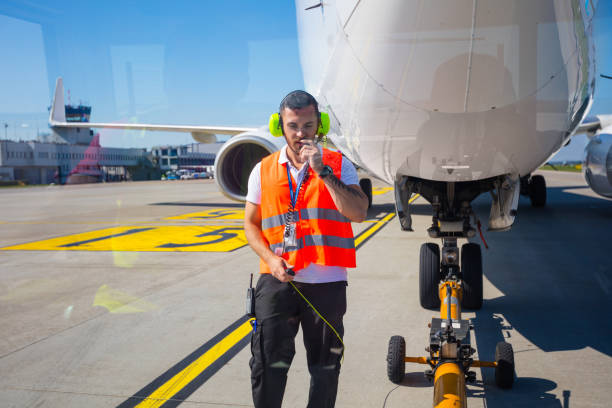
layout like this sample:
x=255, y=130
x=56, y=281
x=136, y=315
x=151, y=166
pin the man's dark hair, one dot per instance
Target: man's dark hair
x=297, y=100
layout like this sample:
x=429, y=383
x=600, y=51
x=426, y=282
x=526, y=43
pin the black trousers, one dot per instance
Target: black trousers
x=280, y=311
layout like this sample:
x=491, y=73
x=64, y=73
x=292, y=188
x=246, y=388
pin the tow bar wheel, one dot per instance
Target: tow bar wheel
x=504, y=372
x=396, y=365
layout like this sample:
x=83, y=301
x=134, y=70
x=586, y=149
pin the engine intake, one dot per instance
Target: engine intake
x=597, y=166
x=236, y=159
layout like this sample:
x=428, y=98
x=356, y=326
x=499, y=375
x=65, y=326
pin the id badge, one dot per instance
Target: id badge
x=289, y=239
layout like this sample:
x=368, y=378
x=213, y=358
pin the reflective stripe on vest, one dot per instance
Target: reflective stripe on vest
x=304, y=214
x=324, y=236
x=320, y=240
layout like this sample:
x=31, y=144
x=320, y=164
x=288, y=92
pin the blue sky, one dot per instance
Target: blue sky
x=190, y=62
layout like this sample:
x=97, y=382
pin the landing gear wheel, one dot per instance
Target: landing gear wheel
x=537, y=191
x=471, y=270
x=504, y=372
x=366, y=186
x=396, y=366
x=429, y=276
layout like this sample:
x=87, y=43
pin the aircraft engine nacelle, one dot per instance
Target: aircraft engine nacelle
x=238, y=156
x=597, y=165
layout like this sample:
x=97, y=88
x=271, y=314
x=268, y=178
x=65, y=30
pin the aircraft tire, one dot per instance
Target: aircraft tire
x=429, y=275
x=471, y=270
x=537, y=191
x=504, y=372
x=366, y=186
x=396, y=366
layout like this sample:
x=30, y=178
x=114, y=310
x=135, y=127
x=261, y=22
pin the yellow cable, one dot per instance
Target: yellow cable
x=319, y=314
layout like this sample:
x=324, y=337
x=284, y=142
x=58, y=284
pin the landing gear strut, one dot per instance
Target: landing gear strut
x=449, y=226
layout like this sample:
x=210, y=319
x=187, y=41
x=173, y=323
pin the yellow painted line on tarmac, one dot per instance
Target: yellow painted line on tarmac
x=141, y=238
x=190, y=377
x=381, y=190
x=365, y=235
x=216, y=214
x=378, y=224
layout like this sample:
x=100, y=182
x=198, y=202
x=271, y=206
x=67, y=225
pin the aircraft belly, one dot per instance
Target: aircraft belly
x=457, y=92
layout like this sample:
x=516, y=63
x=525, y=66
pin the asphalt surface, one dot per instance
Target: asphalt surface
x=133, y=293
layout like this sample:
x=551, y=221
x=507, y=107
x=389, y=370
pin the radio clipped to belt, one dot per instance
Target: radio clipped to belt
x=250, y=299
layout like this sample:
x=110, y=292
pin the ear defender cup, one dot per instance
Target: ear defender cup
x=276, y=130
x=274, y=125
x=324, y=124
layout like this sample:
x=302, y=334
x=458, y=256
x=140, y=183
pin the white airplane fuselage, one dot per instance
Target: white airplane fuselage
x=449, y=91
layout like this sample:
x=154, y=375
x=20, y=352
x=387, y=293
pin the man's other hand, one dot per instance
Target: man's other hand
x=278, y=267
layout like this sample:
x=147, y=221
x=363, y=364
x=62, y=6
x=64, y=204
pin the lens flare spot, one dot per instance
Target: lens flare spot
x=119, y=302
x=68, y=312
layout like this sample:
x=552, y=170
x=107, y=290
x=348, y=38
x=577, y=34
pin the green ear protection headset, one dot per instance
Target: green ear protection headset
x=275, y=124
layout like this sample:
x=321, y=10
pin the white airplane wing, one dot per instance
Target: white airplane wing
x=203, y=134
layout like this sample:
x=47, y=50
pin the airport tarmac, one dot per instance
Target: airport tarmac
x=132, y=294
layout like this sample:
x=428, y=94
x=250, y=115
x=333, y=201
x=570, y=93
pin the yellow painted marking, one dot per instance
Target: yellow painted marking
x=217, y=214
x=378, y=225
x=381, y=190
x=144, y=238
x=119, y=302
x=189, y=373
x=414, y=197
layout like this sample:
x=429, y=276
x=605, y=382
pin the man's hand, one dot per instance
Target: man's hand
x=278, y=267
x=310, y=151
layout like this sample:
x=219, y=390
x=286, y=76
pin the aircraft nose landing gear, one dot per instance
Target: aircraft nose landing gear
x=445, y=285
x=450, y=280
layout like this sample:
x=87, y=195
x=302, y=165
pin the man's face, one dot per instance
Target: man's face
x=299, y=124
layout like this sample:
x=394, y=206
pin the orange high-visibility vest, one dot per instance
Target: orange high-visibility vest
x=324, y=235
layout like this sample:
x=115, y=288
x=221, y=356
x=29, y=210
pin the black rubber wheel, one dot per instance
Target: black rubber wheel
x=471, y=270
x=429, y=276
x=396, y=366
x=537, y=191
x=366, y=186
x=504, y=372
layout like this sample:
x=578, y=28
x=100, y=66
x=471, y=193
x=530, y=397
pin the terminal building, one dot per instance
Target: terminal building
x=194, y=157
x=72, y=155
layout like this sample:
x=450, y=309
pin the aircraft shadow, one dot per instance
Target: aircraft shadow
x=553, y=269
x=415, y=209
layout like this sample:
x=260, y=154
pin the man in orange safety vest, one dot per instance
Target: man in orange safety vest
x=301, y=201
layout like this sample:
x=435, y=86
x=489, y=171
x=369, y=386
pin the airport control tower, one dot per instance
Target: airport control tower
x=75, y=136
